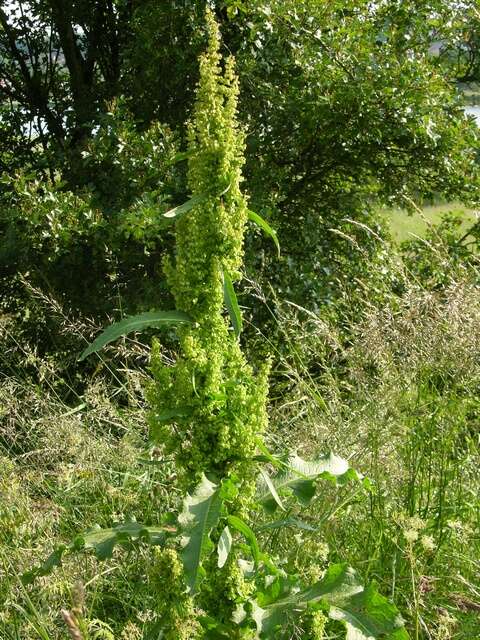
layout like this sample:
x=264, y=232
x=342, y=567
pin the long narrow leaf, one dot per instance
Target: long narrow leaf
x=102, y=542
x=263, y=224
x=248, y=534
x=224, y=547
x=231, y=302
x=271, y=488
x=139, y=322
x=177, y=212
x=201, y=513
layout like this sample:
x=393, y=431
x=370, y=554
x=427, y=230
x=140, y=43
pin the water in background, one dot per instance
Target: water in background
x=474, y=111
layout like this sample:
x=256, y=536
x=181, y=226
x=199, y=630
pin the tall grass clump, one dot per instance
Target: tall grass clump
x=399, y=396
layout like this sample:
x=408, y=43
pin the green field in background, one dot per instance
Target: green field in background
x=404, y=226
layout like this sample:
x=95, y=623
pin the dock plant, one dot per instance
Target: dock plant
x=209, y=412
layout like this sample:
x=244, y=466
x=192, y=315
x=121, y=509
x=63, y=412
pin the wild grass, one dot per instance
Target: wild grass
x=63, y=469
x=398, y=396
x=400, y=399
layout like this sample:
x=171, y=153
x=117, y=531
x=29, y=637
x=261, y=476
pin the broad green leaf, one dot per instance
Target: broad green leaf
x=176, y=212
x=224, y=546
x=231, y=302
x=263, y=224
x=102, y=542
x=201, y=513
x=213, y=629
x=135, y=323
x=248, y=534
x=365, y=613
x=299, y=477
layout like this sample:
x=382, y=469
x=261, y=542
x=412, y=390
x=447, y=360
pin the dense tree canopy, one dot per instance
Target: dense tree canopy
x=344, y=105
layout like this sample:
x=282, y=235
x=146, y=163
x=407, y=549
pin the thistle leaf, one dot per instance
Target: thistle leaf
x=231, y=302
x=201, y=513
x=135, y=323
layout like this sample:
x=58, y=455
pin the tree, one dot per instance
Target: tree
x=59, y=64
x=345, y=109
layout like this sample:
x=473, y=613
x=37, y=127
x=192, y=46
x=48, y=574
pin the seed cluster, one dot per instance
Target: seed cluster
x=214, y=403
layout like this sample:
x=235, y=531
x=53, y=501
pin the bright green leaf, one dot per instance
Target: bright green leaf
x=231, y=302
x=135, y=323
x=224, y=546
x=271, y=488
x=263, y=224
x=201, y=513
x=248, y=534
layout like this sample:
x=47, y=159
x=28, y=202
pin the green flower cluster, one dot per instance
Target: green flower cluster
x=210, y=407
x=175, y=607
x=314, y=625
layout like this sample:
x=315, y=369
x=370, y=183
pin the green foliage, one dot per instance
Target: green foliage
x=345, y=110
x=201, y=513
x=399, y=397
x=300, y=477
x=374, y=120
x=102, y=542
x=363, y=611
x=448, y=252
x=135, y=323
x=100, y=233
x=213, y=411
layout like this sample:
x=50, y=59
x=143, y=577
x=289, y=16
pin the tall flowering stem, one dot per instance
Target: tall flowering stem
x=210, y=408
